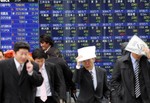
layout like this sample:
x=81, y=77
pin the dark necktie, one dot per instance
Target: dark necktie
x=93, y=79
x=137, y=84
x=91, y=74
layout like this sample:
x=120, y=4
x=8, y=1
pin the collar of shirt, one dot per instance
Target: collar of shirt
x=47, y=49
x=133, y=61
x=93, y=70
x=43, y=67
x=17, y=63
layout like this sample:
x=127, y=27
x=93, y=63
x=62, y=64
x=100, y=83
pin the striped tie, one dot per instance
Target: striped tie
x=137, y=85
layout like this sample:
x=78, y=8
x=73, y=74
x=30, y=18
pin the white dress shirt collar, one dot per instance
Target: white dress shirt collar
x=133, y=62
x=132, y=59
x=93, y=70
x=17, y=63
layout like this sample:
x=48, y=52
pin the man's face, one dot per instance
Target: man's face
x=136, y=56
x=1, y=56
x=88, y=64
x=44, y=45
x=22, y=55
x=40, y=61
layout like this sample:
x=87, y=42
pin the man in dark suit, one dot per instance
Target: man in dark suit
x=66, y=73
x=132, y=88
x=47, y=45
x=19, y=77
x=114, y=97
x=92, y=81
x=52, y=80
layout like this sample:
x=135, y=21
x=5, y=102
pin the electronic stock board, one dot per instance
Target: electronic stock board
x=76, y=23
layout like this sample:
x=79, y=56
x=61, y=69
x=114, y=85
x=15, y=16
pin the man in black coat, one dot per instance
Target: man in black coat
x=92, y=80
x=52, y=79
x=19, y=77
x=47, y=45
x=63, y=68
x=124, y=79
x=114, y=97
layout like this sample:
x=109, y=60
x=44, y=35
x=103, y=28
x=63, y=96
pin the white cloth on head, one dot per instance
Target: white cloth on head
x=136, y=45
x=86, y=53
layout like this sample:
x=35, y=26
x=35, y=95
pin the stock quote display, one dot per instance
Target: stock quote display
x=76, y=23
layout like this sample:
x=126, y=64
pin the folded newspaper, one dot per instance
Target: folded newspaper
x=136, y=45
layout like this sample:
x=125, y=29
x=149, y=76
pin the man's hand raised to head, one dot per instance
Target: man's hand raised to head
x=147, y=51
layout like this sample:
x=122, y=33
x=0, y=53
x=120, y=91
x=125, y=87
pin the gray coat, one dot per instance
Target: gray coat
x=123, y=79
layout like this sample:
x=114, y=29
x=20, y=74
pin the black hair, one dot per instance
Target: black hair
x=47, y=39
x=123, y=46
x=21, y=45
x=38, y=54
x=2, y=51
x=54, y=52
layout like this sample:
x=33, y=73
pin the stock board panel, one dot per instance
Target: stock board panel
x=74, y=24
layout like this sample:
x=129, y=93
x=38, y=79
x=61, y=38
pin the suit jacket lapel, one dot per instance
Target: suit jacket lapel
x=47, y=71
x=131, y=79
x=99, y=77
x=23, y=74
x=128, y=74
x=13, y=69
x=145, y=71
x=88, y=77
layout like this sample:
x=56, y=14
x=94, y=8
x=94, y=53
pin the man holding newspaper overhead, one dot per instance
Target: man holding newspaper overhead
x=131, y=74
x=92, y=80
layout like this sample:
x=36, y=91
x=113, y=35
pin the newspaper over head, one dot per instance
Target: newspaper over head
x=136, y=45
